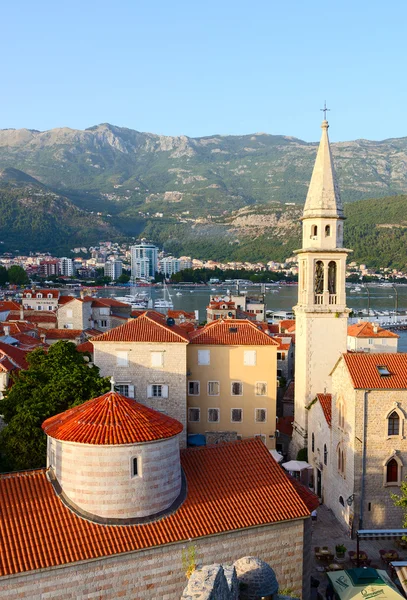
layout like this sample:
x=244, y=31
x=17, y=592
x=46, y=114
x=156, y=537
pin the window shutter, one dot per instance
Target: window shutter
x=131, y=391
x=149, y=391
x=165, y=391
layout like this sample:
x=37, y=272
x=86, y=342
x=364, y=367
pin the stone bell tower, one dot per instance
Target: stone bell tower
x=321, y=312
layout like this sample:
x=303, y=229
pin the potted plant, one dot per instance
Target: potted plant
x=340, y=550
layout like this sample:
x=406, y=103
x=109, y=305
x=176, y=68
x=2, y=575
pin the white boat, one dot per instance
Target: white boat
x=166, y=301
x=178, y=294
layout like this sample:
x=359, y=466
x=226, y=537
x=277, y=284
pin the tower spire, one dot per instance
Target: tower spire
x=323, y=198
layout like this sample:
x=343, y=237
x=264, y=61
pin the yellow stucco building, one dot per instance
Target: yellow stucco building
x=231, y=380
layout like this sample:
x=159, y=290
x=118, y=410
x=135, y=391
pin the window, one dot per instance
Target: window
x=213, y=415
x=261, y=388
x=104, y=311
x=341, y=414
x=49, y=295
x=204, y=357
x=157, y=359
x=249, y=358
x=193, y=388
x=28, y=295
x=314, y=231
x=383, y=371
x=136, y=466
x=39, y=295
x=325, y=455
x=313, y=443
x=236, y=415
x=341, y=460
x=332, y=277
x=157, y=390
x=393, y=424
x=194, y=415
x=39, y=307
x=122, y=358
x=370, y=341
x=327, y=230
x=213, y=388
x=69, y=313
x=237, y=388
x=260, y=415
x=392, y=471
x=341, y=501
x=103, y=323
x=280, y=355
x=50, y=307
x=125, y=389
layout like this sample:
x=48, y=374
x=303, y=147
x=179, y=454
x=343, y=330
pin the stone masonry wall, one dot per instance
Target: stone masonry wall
x=81, y=315
x=158, y=573
x=141, y=374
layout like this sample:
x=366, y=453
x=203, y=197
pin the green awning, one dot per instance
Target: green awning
x=363, y=584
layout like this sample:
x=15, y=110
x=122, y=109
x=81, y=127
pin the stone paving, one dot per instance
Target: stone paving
x=327, y=531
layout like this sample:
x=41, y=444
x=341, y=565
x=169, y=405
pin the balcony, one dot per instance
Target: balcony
x=332, y=298
x=319, y=299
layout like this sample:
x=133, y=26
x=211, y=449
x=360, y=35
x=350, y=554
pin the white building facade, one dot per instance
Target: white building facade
x=144, y=261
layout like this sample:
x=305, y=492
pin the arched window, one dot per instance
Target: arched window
x=332, y=277
x=327, y=230
x=314, y=231
x=325, y=455
x=393, y=424
x=392, y=471
x=49, y=296
x=341, y=459
x=319, y=277
x=39, y=295
x=341, y=415
x=313, y=442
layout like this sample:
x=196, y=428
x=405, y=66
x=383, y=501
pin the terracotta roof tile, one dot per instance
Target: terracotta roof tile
x=63, y=334
x=44, y=292
x=34, y=316
x=232, y=332
x=286, y=324
x=310, y=499
x=103, y=302
x=85, y=347
x=364, y=373
x=111, y=419
x=175, y=314
x=17, y=356
x=366, y=329
x=255, y=492
x=9, y=305
x=326, y=403
x=148, y=327
x=65, y=299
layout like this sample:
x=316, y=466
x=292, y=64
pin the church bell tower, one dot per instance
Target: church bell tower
x=321, y=312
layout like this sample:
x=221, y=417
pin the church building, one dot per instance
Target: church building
x=321, y=312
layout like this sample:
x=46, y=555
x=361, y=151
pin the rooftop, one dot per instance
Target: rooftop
x=232, y=332
x=326, y=403
x=39, y=531
x=111, y=419
x=366, y=329
x=148, y=327
x=365, y=373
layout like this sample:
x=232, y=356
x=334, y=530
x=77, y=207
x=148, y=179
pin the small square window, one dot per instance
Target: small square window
x=236, y=415
x=194, y=415
x=204, y=357
x=213, y=415
x=261, y=388
x=157, y=391
x=123, y=389
x=237, y=388
x=193, y=388
x=260, y=415
x=249, y=358
x=213, y=388
x=157, y=359
x=383, y=371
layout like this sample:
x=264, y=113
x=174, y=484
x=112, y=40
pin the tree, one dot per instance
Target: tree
x=401, y=500
x=55, y=381
x=3, y=275
x=17, y=275
x=124, y=278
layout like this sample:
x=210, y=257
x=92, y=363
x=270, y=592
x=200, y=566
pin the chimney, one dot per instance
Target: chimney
x=197, y=315
x=6, y=329
x=82, y=294
x=42, y=337
x=375, y=327
x=21, y=313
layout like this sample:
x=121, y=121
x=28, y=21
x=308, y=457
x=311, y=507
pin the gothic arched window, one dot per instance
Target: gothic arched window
x=327, y=230
x=332, y=277
x=393, y=424
x=319, y=277
x=325, y=455
x=392, y=471
x=314, y=231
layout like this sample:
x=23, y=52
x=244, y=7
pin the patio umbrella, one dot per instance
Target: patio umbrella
x=276, y=455
x=363, y=584
x=296, y=465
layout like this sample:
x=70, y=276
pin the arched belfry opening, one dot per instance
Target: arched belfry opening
x=319, y=277
x=332, y=277
x=314, y=231
x=327, y=230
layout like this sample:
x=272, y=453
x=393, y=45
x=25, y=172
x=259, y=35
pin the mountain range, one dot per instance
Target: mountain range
x=228, y=195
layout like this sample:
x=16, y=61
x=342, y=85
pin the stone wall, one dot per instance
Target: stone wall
x=158, y=573
x=75, y=314
x=318, y=426
x=100, y=481
x=211, y=583
x=141, y=374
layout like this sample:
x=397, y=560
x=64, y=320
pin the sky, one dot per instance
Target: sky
x=199, y=68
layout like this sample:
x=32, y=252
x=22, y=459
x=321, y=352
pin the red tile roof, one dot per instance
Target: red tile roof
x=222, y=305
x=176, y=314
x=111, y=419
x=363, y=370
x=44, y=292
x=232, y=332
x=103, y=302
x=65, y=299
x=310, y=499
x=85, y=347
x=39, y=531
x=286, y=324
x=63, y=334
x=9, y=305
x=16, y=355
x=148, y=327
x=326, y=403
x=366, y=329
x=34, y=316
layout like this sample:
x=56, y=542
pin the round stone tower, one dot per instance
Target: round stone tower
x=113, y=460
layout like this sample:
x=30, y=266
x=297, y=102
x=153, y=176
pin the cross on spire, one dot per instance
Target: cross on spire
x=324, y=110
x=112, y=384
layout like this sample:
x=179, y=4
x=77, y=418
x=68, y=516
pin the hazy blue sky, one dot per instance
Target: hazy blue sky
x=202, y=67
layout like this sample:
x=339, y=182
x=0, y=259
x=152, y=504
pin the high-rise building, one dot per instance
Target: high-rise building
x=144, y=263
x=113, y=269
x=169, y=266
x=321, y=312
x=66, y=267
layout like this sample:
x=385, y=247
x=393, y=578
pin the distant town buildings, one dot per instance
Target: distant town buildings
x=113, y=269
x=144, y=261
